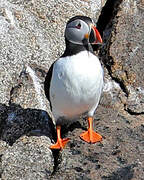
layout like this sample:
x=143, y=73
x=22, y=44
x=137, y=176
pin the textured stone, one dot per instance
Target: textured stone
x=29, y=91
x=118, y=156
x=19, y=121
x=3, y=147
x=33, y=32
x=125, y=52
x=28, y=158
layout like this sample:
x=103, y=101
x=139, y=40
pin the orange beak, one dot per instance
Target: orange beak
x=97, y=36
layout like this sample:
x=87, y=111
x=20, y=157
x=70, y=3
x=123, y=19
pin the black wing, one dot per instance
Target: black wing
x=47, y=83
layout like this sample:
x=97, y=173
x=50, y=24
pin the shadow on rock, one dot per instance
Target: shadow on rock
x=75, y=125
x=16, y=122
x=125, y=173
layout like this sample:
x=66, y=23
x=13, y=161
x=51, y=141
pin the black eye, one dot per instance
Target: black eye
x=78, y=26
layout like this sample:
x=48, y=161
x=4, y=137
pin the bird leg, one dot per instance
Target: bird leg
x=90, y=136
x=60, y=144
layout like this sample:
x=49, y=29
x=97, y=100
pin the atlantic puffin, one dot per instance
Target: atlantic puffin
x=74, y=82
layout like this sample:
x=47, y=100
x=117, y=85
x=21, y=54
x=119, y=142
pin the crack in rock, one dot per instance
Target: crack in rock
x=120, y=53
x=106, y=24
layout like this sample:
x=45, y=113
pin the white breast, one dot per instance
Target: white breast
x=76, y=85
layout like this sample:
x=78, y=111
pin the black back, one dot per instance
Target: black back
x=73, y=49
x=47, y=83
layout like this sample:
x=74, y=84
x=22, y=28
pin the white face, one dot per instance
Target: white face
x=76, y=30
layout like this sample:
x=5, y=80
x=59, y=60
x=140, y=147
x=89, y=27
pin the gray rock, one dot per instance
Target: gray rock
x=19, y=121
x=29, y=91
x=124, y=42
x=33, y=32
x=118, y=156
x=28, y=158
x=3, y=147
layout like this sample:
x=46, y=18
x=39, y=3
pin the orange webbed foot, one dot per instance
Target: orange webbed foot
x=90, y=136
x=60, y=144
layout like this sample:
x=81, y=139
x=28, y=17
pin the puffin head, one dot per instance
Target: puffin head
x=81, y=30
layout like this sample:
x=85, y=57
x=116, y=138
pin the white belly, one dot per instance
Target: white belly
x=76, y=85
